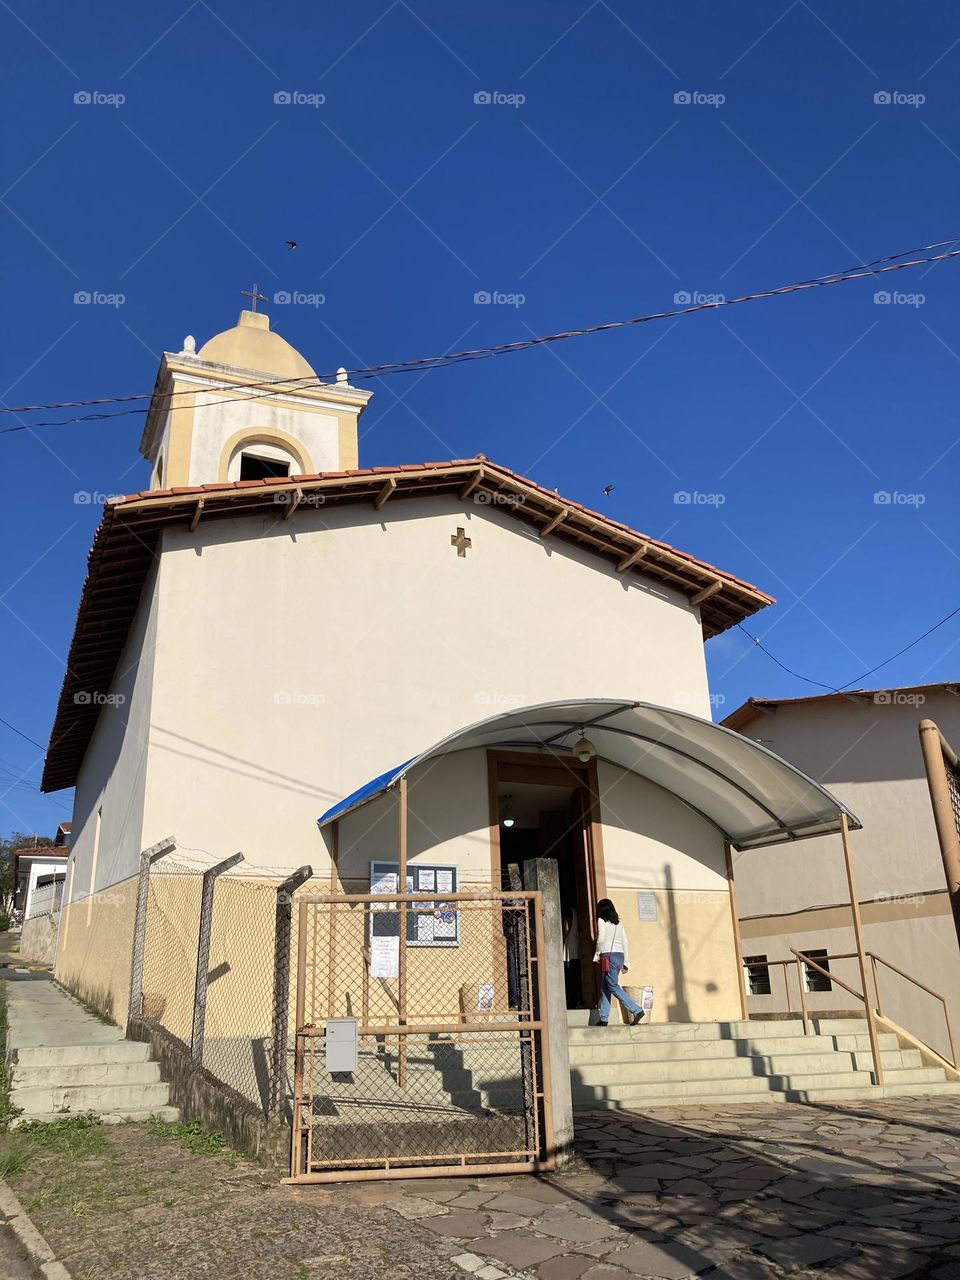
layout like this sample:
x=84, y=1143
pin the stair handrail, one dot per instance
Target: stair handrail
x=875, y=959
x=802, y=957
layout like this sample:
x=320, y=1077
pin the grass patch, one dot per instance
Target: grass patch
x=71, y=1142
x=191, y=1133
x=6, y=1111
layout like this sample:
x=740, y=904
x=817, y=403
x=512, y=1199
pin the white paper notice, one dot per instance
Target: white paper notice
x=485, y=997
x=425, y=928
x=384, y=957
x=428, y=881
x=647, y=905
x=386, y=882
x=444, y=882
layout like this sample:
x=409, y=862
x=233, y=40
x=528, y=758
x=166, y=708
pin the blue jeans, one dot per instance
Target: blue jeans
x=610, y=986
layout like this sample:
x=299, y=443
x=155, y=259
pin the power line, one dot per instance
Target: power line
x=274, y=386
x=856, y=680
x=26, y=737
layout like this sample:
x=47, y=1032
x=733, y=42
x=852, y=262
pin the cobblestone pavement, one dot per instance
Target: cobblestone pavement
x=862, y=1191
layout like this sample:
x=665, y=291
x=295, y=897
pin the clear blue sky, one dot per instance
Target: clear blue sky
x=597, y=197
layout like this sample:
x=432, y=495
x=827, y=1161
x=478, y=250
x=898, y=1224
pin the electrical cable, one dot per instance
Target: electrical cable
x=863, y=675
x=888, y=263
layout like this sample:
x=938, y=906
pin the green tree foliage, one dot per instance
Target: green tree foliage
x=8, y=848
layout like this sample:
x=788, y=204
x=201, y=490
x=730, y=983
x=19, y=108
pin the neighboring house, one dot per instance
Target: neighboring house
x=36, y=868
x=267, y=627
x=865, y=747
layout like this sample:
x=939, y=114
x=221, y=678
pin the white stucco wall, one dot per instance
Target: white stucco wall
x=297, y=659
x=38, y=869
x=651, y=840
x=217, y=419
x=868, y=754
x=113, y=775
x=448, y=806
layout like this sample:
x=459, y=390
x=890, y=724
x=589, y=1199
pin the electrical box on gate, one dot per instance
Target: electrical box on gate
x=342, y=1039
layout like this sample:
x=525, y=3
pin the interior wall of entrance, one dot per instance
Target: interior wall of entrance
x=544, y=808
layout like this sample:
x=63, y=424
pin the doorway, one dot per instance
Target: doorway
x=544, y=807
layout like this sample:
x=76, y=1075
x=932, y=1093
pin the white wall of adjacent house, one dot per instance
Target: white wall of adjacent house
x=35, y=898
x=284, y=663
x=867, y=752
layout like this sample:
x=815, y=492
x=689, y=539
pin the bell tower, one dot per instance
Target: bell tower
x=247, y=406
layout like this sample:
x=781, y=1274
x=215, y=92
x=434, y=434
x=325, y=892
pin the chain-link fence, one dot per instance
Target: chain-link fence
x=251, y=974
x=217, y=974
x=443, y=1067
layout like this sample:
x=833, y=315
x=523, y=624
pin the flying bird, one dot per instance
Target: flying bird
x=608, y=489
x=291, y=244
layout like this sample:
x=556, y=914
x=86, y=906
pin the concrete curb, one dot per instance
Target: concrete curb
x=15, y=1218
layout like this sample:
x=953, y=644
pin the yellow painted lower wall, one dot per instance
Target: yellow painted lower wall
x=95, y=949
x=687, y=954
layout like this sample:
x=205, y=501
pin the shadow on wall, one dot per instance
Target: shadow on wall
x=679, y=1010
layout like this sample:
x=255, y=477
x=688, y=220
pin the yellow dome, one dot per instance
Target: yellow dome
x=251, y=345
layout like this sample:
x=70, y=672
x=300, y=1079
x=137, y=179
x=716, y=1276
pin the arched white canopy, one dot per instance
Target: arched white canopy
x=750, y=795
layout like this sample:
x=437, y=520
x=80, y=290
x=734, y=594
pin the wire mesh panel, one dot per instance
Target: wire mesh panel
x=170, y=952
x=953, y=785
x=239, y=1016
x=443, y=1000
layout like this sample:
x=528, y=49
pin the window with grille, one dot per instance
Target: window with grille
x=758, y=975
x=814, y=980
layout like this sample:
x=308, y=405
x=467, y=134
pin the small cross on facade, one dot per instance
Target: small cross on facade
x=254, y=295
x=461, y=542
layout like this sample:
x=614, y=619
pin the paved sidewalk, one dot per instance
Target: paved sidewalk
x=39, y=1013
x=863, y=1192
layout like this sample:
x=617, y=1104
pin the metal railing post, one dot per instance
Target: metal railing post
x=861, y=959
x=203, y=953
x=876, y=982
x=938, y=755
x=803, y=999
x=147, y=858
x=283, y=936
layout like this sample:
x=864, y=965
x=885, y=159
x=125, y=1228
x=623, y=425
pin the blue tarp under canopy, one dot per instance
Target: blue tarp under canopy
x=751, y=796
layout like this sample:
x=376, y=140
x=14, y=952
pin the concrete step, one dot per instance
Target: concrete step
x=913, y=1075
x=890, y=1059
x=679, y=1091
x=168, y=1114
x=97, y=1098
x=78, y=1054
x=681, y=1031
x=689, y=1034
x=873, y=1093
x=73, y=1074
x=602, y=1047
x=679, y=1058
x=729, y=1098
x=841, y=1026
x=886, y=1040
x=783, y=1065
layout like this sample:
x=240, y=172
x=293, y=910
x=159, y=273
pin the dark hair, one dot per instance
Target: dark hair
x=607, y=911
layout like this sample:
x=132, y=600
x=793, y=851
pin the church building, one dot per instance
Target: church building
x=272, y=639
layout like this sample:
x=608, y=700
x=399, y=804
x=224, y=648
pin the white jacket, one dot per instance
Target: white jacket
x=611, y=937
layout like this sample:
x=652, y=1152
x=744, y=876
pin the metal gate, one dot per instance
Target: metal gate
x=450, y=1075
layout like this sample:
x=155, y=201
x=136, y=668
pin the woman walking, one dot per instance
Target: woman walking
x=613, y=957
